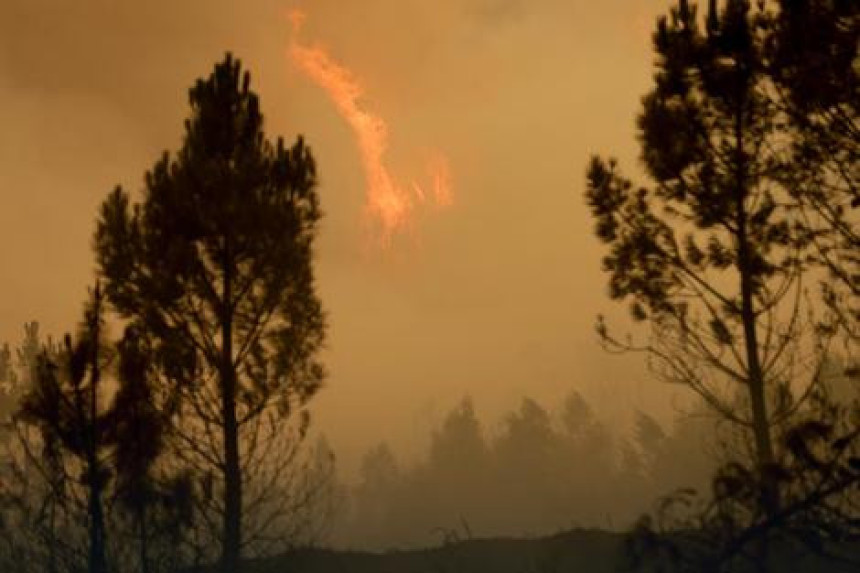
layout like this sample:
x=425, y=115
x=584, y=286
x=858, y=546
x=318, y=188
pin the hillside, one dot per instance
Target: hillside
x=586, y=551
x=577, y=551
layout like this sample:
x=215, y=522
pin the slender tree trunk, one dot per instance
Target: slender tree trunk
x=232, y=489
x=232, y=533
x=97, y=541
x=97, y=562
x=755, y=375
x=144, y=544
x=757, y=393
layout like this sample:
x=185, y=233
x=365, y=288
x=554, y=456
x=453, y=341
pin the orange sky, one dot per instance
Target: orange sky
x=494, y=297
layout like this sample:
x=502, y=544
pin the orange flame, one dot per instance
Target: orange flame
x=387, y=200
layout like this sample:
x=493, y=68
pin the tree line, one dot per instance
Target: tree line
x=539, y=469
x=536, y=471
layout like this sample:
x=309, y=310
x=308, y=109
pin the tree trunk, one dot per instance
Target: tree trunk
x=232, y=533
x=97, y=563
x=232, y=490
x=97, y=541
x=755, y=376
x=144, y=544
x=757, y=392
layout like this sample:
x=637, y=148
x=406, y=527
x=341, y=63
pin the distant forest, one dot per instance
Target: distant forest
x=536, y=471
x=170, y=430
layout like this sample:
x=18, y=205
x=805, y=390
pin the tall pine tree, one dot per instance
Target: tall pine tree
x=214, y=267
x=711, y=254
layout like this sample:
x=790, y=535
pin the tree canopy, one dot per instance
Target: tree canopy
x=214, y=268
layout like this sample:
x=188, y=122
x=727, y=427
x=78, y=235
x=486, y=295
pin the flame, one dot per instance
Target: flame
x=387, y=200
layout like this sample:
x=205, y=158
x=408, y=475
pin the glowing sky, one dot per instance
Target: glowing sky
x=495, y=297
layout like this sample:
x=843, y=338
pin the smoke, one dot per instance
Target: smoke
x=502, y=298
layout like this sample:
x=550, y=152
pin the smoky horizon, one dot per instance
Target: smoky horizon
x=454, y=285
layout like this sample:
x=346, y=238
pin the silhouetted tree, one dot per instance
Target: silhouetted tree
x=814, y=529
x=369, y=517
x=650, y=437
x=576, y=414
x=138, y=428
x=817, y=83
x=525, y=452
x=17, y=370
x=85, y=435
x=64, y=402
x=8, y=385
x=214, y=268
x=459, y=443
x=712, y=254
x=32, y=476
x=379, y=468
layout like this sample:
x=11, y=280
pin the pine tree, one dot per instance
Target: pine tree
x=214, y=268
x=65, y=402
x=815, y=64
x=711, y=255
x=138, y=429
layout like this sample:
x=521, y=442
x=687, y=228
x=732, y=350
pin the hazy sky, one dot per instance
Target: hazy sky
x=495, y=297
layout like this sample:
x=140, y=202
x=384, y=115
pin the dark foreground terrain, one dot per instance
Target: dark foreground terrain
x=578, y=551
x=581, y=550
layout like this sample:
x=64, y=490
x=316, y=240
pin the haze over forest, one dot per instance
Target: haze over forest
x=303, y=284
x=495, y=297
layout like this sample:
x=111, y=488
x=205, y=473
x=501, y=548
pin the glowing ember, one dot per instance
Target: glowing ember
x=440, y=174
x=387, y=201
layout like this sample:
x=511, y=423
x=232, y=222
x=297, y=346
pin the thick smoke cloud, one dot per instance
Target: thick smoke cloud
x=496, y=297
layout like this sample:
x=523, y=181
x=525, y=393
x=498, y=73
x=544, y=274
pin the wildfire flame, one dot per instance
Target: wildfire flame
x=387, y=200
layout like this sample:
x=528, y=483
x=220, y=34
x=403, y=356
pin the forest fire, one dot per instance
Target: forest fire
x=388, y=202
x=629, y=339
